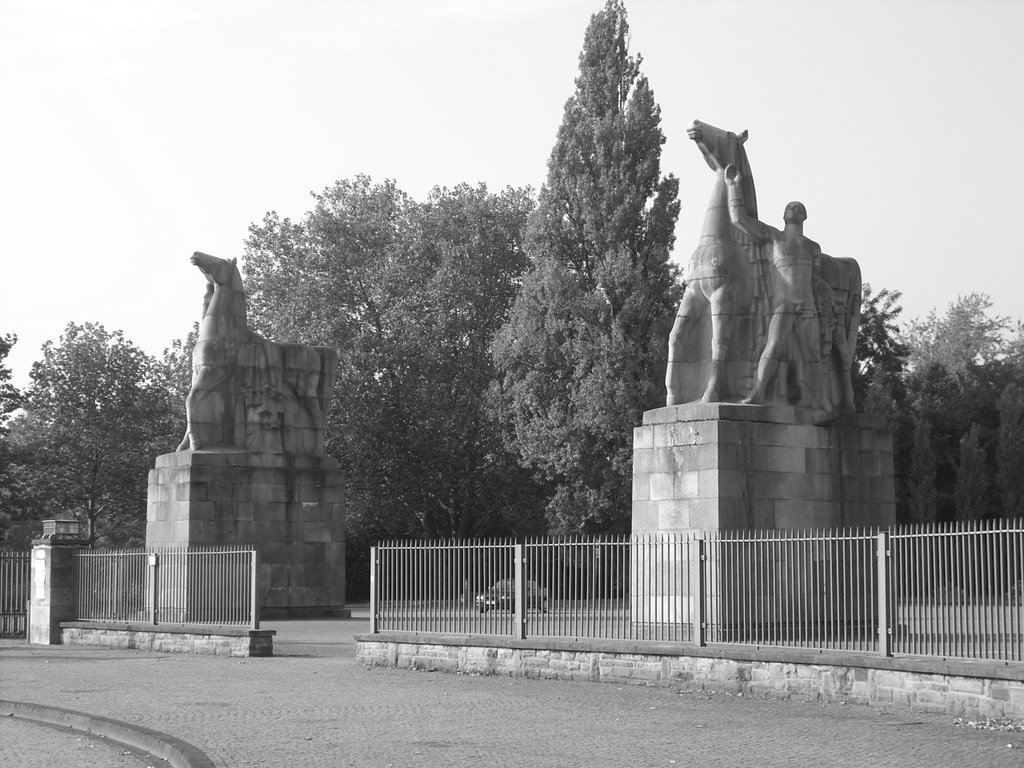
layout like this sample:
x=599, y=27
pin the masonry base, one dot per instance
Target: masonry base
x=959, y=688
x=170, y=638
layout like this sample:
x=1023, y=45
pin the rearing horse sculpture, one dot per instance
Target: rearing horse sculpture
x=733, y=278
x=721, y=276
x=248, y=393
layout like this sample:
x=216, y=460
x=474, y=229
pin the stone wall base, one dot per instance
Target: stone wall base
x=899, y=686
x=219, y=641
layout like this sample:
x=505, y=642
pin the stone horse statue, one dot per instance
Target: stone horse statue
x=247, y=393
x=722, y=279
x=730, y=282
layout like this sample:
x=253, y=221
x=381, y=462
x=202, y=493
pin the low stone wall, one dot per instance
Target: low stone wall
x=963, y=689
x=178, y=638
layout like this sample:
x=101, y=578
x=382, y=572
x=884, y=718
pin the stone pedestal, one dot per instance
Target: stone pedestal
x=726, y=466
x=721, y=466
x=290, y=508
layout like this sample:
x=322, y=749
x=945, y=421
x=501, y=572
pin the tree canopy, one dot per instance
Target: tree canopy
x=966, y=334
x=961, y=365
x=96, y=414
x=10, y=396
x=410, y=294
x=496, y=351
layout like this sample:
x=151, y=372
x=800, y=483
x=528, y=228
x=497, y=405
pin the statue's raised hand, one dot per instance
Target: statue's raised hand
x=732, y=174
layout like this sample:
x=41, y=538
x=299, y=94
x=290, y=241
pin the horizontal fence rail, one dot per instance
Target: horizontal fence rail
x=953, y=591
x=14, y=592
x=187, y=585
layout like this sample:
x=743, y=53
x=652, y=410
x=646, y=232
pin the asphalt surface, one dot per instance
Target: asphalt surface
x=313, y=705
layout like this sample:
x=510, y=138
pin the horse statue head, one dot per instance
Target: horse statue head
x=223, y=285
x=721, y=148
x=218, y=271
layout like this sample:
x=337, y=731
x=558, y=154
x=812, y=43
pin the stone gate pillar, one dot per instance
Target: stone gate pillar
x=51, y=591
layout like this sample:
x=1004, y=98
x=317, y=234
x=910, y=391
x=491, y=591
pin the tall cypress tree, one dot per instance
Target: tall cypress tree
x=922, y=496
x=583, y=352
x=971, y=493
x=1010, y=451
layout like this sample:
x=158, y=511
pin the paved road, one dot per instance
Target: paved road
x=312, y=705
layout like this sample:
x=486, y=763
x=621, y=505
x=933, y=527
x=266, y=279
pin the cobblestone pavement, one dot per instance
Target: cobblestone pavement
x=312, y=705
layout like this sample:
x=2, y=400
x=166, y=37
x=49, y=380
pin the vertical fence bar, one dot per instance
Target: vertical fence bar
x=254, y=591
x=884, y=635
x=700, y=623
x=154, y=591
x=519, y=574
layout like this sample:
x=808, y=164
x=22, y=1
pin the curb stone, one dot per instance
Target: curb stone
x=176, y=752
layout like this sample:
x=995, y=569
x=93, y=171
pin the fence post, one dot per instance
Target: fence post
x=519, y=631
x=373, y=591
x=884, y=576
x=153, y=590
x=254, y=591
x=698, y=615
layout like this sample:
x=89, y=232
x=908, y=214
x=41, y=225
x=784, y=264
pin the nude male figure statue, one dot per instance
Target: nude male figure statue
x=794, y=257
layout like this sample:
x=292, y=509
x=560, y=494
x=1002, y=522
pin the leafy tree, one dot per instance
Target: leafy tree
x=1014, y=347
x=175, y=371
x=960, y=363
x=972, y=478
x=583, y=352
x=880, y=355
x=1010, y=451
x=966, y=334
x=10, y=401
x=410, y=294
x=96, y=415
x=10, y=396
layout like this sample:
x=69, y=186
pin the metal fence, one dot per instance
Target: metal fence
x=14, y=592
x=958, y=591
x=953, y=591
x=194, y=585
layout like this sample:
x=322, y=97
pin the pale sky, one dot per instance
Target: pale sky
x=135, y=132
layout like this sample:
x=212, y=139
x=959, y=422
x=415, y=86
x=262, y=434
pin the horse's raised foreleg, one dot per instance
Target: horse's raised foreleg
x=691, y=310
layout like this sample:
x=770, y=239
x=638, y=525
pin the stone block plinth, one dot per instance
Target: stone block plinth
x=291, y=508
x=724, y=466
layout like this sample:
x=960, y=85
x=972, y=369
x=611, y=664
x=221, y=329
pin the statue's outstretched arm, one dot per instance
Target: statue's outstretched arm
x=754, y=229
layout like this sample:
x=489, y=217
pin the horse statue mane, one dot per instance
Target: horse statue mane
x=247, y=393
